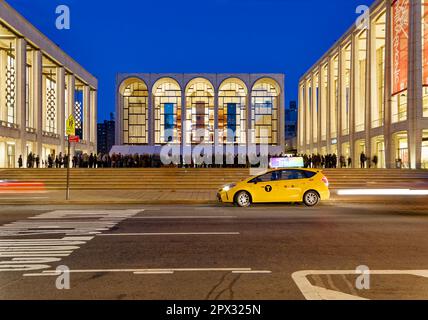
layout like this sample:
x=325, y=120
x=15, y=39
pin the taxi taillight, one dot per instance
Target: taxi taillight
x=325, y=180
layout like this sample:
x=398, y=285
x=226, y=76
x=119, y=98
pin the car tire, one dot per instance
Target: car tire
x=311, y=198
x=243, y=199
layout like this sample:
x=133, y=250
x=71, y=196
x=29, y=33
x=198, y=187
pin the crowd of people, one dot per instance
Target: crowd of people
x=333, y=161
x=84, y=160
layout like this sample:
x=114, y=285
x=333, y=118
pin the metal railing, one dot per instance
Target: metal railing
x=50, y=135
x=8, y=125
x=398, y=117
x=359, y=128
x=377, y=123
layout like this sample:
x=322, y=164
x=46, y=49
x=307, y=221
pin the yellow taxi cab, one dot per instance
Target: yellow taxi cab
x=309, y=186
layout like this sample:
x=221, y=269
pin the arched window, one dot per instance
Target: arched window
x=134, y=96
x=167, y=104
x=232, y=115
x=199, y=111
x=264, y=111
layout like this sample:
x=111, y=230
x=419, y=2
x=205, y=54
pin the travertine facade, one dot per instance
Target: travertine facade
x=369, y=92
x=40, y=86
x=230, y=109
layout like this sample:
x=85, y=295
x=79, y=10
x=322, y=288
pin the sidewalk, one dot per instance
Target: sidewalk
x=111, y=197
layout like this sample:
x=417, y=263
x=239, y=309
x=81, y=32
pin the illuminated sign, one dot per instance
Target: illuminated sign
x=286, y=162
x=400, y=45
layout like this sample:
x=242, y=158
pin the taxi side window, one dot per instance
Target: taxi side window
x=293, y=175
x=271, y=176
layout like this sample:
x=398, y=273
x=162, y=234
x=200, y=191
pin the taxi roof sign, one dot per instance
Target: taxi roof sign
x=71, y=126
x=286, y=162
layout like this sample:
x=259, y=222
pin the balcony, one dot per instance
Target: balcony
x=377, y=123
x=359, y=127
x=6, y=124
x=50, y=135
x=399, y=117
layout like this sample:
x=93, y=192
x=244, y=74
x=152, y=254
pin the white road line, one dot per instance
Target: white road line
x=184, y=217
x=154, y=272
x=169, y=234
x=312, y=292
x=253, y=272
x=138, y=271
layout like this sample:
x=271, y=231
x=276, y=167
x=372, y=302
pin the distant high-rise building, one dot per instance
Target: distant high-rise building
x=291, y=126
x=105, y=134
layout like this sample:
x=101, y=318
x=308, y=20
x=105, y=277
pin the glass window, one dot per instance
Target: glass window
x=399, y=107
x=10, y=88
x=425, y=101
x=293, y=175
x=232, y=115
x=264, y=111
x=360, y=95
x=167, y=96
x=271, y=176
x=315, y=109
x=135, y=113
x=78, y=110
x=378, y=102
x=323, y=106
x=200, y=111
x=346, y=89
x=425, y=54
x=334, y=98
x=424, y=150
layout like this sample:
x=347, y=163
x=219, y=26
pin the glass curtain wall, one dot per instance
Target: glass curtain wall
x=135, y=112
x=232, y=115
x=167, y=104
x=264, y=115
x=200, y=111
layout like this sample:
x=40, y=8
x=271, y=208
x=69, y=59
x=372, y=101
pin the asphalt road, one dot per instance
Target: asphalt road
x=214, y=252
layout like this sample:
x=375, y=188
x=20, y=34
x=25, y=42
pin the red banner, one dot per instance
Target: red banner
x=425, y=43
x=400, y=45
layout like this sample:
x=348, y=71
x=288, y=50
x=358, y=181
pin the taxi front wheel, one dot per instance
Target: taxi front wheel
x=311, y=198
x=243, y=199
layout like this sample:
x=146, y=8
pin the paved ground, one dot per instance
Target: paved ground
x=213, y=252
x=168, y=197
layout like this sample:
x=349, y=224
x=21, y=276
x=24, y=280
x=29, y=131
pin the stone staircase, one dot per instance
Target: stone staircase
x=171, y=179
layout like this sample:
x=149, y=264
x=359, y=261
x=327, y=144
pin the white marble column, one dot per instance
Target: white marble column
x=60, y=90
x=151, y=119
x=368, y=80
x=414, y=111
x=328, y=105
x=94, y=117
x=389, y=150
x=351, y=124
x=38, y=99
x=339, y=104
x=86, y=114
x=21, y=92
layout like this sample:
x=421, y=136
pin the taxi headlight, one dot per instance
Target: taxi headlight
x=229, y=187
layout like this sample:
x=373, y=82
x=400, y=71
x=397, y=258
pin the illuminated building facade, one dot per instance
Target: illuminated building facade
x=369, y=92
x=40, y=86
x=153, y=110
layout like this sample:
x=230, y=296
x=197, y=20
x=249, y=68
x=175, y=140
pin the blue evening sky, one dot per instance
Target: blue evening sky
x=247, y=36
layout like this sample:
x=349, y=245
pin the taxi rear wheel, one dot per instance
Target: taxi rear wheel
x=311, y=198
x=243, y=199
